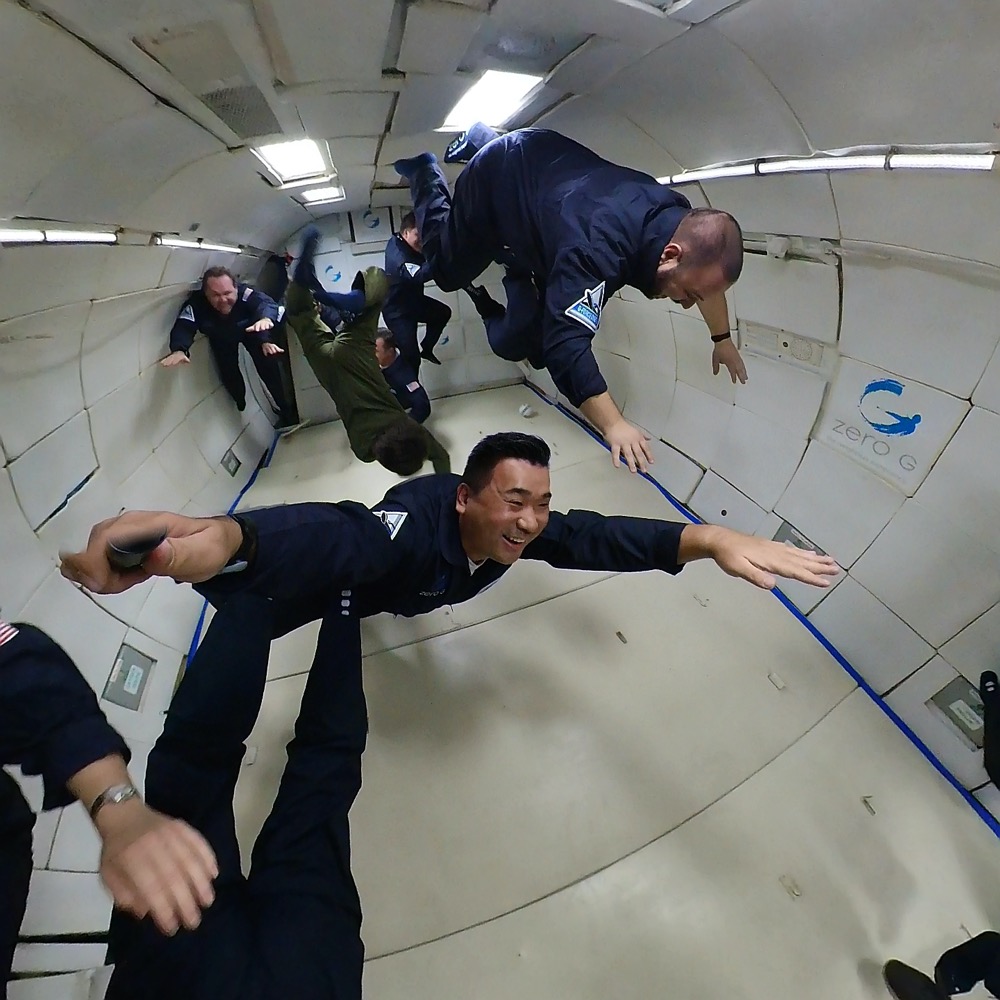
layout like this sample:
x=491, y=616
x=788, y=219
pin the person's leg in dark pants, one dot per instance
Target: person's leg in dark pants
x=16, y=823
x=191, y=774
x=307, y=905
x=227, y=364
x=269, y=368
x=459, y=249
x=515, y=333
x=436, y=315
x=404, y=331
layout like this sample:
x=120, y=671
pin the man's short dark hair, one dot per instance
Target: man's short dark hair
x=494, y=448
x=408, y=221
x=217, y=272
x=401, y=447
x=710, y=236
x=387, y=338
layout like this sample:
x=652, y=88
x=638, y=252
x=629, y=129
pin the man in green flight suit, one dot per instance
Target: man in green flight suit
x=378, y=428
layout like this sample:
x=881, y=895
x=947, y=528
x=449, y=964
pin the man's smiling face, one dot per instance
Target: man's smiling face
x=506, y=514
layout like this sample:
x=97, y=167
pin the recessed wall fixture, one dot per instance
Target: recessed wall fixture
x=890, y=159
x=297, y=159
x=323, y=195
x=79, y=236
x=175, y=241
x=491, y=100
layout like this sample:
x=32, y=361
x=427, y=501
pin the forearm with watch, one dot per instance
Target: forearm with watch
x=715, y=312
x=107, y=792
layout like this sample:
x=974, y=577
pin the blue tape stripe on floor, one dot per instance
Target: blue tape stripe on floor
x=262, y=464
x=976, y=805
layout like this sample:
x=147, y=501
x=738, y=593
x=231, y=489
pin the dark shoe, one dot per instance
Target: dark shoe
x=428, y=355
x=961, y=967
x=487, y=306
x=989, y=691
x=304, y=272
x=906, y=983
x=409, y=167
x=464, y=147
x=241, y=405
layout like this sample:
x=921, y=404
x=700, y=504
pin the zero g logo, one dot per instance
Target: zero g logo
x=370, y=219
x=874, y=407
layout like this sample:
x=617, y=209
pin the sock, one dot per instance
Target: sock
x=304, y=272
x=408, y=167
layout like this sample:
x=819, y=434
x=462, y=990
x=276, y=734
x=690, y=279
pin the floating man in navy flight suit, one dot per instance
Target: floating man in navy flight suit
x=231, y=313
x=407, y=305
x=429, y=542
x=571, y=228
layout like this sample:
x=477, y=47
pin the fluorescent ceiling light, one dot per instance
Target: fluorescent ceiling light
x=290, y=161
x=21, y=236
x=491, y=100
x=822, y=163
x=321, y=195
x=306, y=181
x=174, y=241
x=81, y=236
x=942, y=161
x=710, y=173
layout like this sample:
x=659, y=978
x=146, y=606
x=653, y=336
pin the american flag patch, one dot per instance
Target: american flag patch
x=7, y=632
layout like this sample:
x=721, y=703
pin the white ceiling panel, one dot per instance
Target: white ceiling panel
x=424, y=102
x=898, y=71
x=93, y=185
x=959, y=214
x=345, y=113
x=622, y=20
x=44, y=114
x=436, y=36
x=319, y=38
x=592, y=64
x=227, y=198
x=790, y=205
x=701, y=97
x=610, y=134
x=353, y=151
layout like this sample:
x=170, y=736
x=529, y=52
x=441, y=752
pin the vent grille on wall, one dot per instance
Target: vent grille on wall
x=201, y=58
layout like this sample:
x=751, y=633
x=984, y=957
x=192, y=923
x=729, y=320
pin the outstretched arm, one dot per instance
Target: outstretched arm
x=715, y=312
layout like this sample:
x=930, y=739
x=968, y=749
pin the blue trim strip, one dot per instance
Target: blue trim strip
x=262, y=464
x=977, y=806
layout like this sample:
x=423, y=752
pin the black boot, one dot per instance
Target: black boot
x=989, y=691
x=427, y=353
x=961, y=967
x=304, y=272
x=906, y=983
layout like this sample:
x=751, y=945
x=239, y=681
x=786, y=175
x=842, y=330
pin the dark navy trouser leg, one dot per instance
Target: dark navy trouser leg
x=16, y=823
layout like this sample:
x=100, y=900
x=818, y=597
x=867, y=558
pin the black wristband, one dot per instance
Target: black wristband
x=245, y=554
x=718, y=338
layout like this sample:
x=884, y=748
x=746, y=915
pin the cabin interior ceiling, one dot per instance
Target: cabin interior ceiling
x=375, y=80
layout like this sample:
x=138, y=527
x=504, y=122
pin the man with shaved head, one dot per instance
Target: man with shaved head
x=572, y=229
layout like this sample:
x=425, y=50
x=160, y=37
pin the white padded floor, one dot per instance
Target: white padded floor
x=549, y=811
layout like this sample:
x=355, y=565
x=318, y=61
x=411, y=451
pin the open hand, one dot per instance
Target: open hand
x=269, y=348
x=761, y=561
x=174, y=359
x=726, y=353
x=156, y=866
x=629, y=444
x=260, y=326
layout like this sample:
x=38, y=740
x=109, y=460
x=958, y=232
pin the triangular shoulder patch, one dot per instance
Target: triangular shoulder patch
x=392, y=519
x=412, y=269
x=587, y=309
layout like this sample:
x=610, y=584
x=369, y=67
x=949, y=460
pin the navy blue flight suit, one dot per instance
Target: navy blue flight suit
x=50, y=725
x=581, y=226
x=226, y=333
x=406, y=387
x=407, y=305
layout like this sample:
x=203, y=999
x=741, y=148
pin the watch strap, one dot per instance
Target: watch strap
x=718, y=338
x=112, y=796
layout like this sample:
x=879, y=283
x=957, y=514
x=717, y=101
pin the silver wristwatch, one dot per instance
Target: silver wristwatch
x=112, y=796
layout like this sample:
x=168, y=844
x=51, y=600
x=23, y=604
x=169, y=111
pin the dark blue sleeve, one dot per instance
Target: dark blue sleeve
x=50, y=722
x=568, y=328
x=398, y=272
x=582, y=539
x=349, y=302
x=306, y=549
x=184, y=328
x=419, y=403
x=262, y=306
